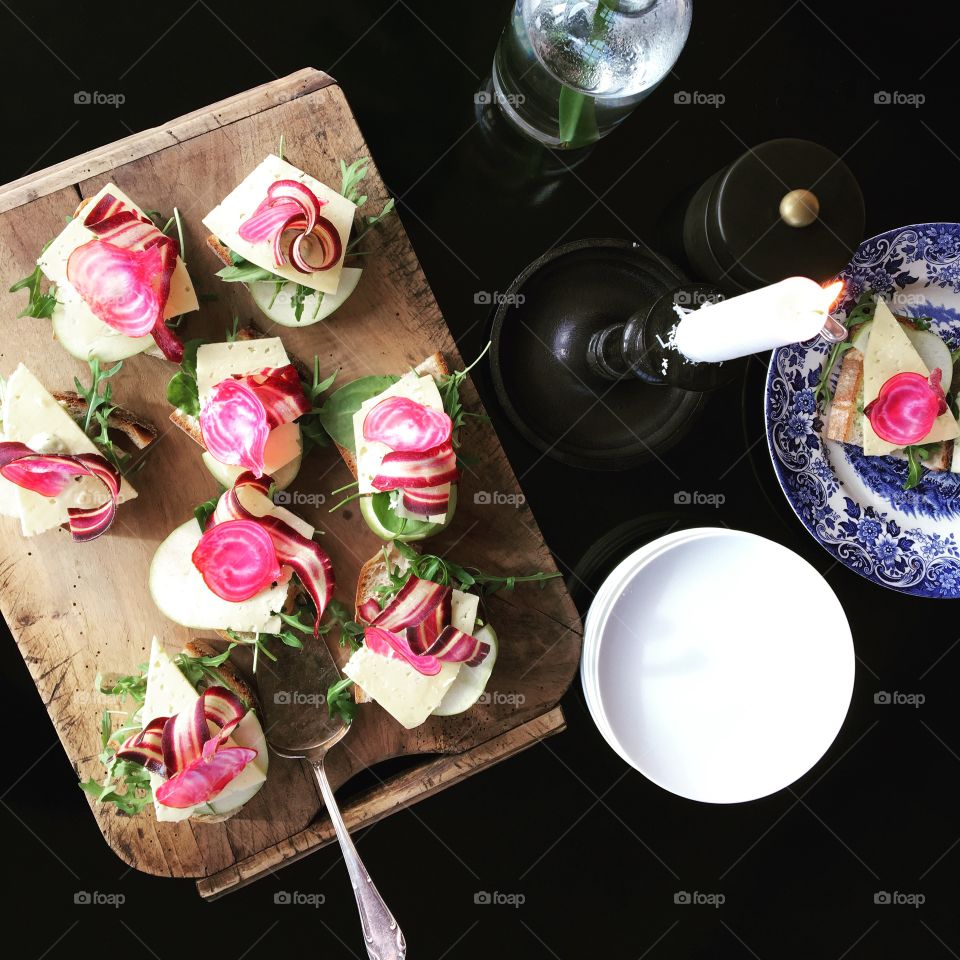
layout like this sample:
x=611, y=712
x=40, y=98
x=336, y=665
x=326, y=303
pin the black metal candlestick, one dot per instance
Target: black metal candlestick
x=581, y=357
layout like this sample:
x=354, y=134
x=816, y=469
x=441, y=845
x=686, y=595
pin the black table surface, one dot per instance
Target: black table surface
x=594, y=853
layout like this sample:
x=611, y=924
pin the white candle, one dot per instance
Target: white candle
x=790, y=311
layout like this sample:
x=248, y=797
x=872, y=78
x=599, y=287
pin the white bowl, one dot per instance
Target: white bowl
x=700, y=668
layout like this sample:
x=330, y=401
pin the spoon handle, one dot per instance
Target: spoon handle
x=382, y=935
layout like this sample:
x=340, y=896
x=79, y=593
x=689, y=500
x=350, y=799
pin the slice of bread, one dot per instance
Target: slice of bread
x=230, y=677
x=191, y=425
x=436, y=366
x=140, y=433
x=845, y=416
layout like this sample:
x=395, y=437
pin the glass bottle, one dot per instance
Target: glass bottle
x=566, y=72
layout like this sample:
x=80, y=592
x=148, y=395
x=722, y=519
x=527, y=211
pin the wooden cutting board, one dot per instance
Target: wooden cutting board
x=79, y=609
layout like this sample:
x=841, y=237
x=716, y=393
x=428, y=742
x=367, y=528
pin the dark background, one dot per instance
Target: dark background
x=596, y=850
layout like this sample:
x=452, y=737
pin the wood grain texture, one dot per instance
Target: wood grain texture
x=79, y=609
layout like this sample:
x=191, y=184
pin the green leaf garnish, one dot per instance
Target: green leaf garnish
x=41, y=304
x=336, y=415
x=427, y=566
x=182, y=390
x=205, y=509
x=340, y=700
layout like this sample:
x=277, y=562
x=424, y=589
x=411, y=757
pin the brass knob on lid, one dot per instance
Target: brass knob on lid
x=799, y=208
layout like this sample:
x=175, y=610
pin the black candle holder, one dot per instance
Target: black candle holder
x=582, y=359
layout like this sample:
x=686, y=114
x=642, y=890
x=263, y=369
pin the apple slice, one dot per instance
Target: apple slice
x=279, y=308
x=471, y=682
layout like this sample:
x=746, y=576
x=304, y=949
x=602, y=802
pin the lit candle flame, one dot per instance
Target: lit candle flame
x=832, y=295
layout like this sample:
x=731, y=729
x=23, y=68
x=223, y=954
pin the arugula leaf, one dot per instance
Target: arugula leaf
x=198, y=669
x=350, y=179
x=182, y=390
x=132, y=685
x=40, y=306
x=205, y=509
x=336, y=414
x=244, y=271
x=427, y=566
x=340, y=700
x=311, y=426
x=915, y=454
x=450, y=394
x=126, y=785
x=96, y=422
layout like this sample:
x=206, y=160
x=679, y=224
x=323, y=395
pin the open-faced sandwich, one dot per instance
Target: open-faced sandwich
x=425, y=648
x=244, y=567
x=193, y=745
x=58, y=460
x=247, y=404
x=286, y=235
x=399, y=436
x=116, y=277
x=893, y=392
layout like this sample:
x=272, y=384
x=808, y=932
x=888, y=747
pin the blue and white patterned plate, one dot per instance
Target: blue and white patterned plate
x=855, y=506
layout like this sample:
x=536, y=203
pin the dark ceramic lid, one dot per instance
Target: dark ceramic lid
x=748, y=235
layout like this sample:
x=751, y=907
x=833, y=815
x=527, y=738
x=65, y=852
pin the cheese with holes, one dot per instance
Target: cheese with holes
x=370, y=453
x=225, y=220
x=53, y=262
x=463, y=610
x=889, y=352
x=169, y=693
x=217, y=362
x=408, y=696
x=181, y=595
x=32, y=416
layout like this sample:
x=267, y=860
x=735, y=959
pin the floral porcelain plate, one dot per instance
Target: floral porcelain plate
x=855, y=506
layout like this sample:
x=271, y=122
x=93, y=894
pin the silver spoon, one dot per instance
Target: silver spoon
x=297, y=725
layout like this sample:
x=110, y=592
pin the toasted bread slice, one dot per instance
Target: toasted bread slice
x=436, y=366
x=228, y=673
x=845, y=417
x=191, y=425
x=220, y=251
x=140, y=433
x=374, y=574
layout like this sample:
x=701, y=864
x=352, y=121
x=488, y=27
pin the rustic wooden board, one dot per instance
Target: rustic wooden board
x=76, y=609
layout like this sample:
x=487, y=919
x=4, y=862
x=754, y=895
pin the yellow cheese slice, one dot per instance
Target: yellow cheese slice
x=889, y=352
